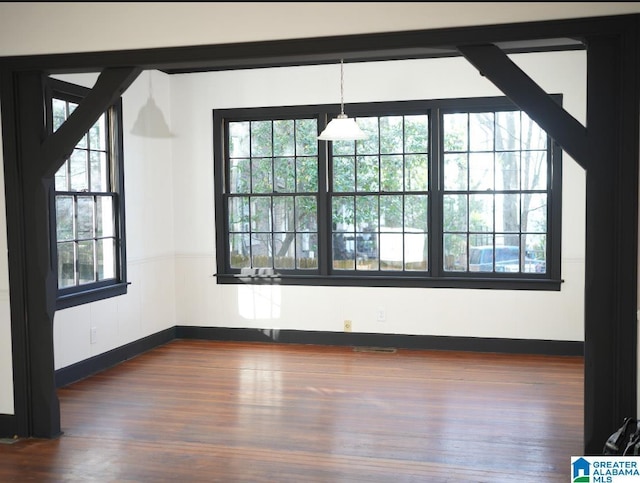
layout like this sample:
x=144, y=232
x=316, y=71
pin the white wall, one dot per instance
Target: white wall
x=45, y=27
x=455, y=312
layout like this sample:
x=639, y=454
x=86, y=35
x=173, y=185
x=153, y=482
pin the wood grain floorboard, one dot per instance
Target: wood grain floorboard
x=194, y=411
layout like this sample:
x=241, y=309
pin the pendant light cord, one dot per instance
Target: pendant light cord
x=342, y=87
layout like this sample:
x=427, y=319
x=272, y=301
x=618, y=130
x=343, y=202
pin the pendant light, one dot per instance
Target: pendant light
x=342, y=128
x=150, y=122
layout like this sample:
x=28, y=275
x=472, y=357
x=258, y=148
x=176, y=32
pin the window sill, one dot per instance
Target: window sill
x=387, y=281
x=91, y=294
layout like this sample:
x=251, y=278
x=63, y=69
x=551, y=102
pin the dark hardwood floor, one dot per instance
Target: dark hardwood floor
x=193, y=411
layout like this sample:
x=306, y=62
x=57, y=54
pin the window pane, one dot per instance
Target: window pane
x=455, y=213
x=78, y=165
x=306, y=213
x=283, y=213
x=534, y=213
x=64, y=218
x=342, y=148
x=59, y=108
x=306, y=137
x=416, y=172
x=66, y=265
x=391, y=135
x=508, y=171
x=261, y=254
x=344, y=174
x=343, y=213
x=534, y=170
x=391, y=212
x=307, y=175
x=367, y=213
x=98, y=135
x=239, y=214
x=536, y=253
x=62, y=180
x=455, y=172
x=261, y=213
x=367, y=251
x=261, y=178
x=532, y=136
x=82, y=143
x=261, y=138
x=99, y=170
x=369, y=145
x=86, y=268
x=284, y=248
x=239, y=146
x=344, y=254
x=416, y=134
x=105, y=223
x=391, y=173
x=415, y=251
x=240, y=176
x=106, y=258
x=507, y=130
x=84, y=207
x=239, y=250
x=416, y=213
x=481, y=171
x=508, y=213
x=481, y=132
x=455, y=253
x=284, y=172
x=391, y=251
x=284, y=138
x=481, y=213
x=481, y=253
x=455, y=131
x=307, y=251
x=367, y=173
x=507, y=258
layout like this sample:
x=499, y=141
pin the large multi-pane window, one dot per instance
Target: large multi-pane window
x=273, y=194
x=380, y=196
x=495, y=192
x=88, y=205
x=440, y=193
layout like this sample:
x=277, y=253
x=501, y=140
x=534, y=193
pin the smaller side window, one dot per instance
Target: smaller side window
x=88, y=204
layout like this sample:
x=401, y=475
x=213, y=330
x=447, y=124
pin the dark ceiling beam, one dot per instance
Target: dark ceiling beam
x=494, y=64
x=110, y=85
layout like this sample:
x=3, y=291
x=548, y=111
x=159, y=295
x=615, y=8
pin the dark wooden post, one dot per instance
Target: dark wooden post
x=43, y=414
x=611, y=234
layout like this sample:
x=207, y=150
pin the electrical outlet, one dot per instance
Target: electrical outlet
x=347, y=326
x=94, y=334
x=381, y=314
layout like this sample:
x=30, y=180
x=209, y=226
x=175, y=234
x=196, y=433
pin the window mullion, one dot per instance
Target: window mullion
x=324, y=203
x=436, y=191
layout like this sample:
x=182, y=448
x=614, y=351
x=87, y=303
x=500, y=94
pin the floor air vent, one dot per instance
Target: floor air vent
x=388, y=350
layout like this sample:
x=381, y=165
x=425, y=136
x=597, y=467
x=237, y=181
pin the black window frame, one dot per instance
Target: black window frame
x=435, y=277
x=103, y=289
